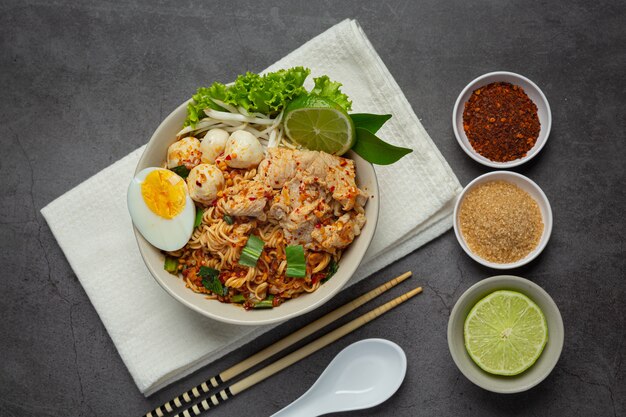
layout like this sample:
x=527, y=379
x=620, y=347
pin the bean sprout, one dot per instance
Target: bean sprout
x=228, y=107
x=267, y=130
x=224, y=116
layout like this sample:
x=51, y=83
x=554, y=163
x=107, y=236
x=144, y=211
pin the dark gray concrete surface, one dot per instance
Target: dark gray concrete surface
x=84, y=83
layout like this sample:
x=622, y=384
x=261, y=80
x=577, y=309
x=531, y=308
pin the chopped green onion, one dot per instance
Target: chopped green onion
x=267, y=303
x=211, y=280
x=237, y=298
x=228, y=219
x=181, y=170
x=332, y=268
x=296, y=264
x=171, y=264
x=251, y=252
x=198, y=221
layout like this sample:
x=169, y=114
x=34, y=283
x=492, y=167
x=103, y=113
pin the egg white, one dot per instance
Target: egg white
x=165, y=234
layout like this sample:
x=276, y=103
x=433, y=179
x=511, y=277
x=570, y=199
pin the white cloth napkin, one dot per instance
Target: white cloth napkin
x=93, y=228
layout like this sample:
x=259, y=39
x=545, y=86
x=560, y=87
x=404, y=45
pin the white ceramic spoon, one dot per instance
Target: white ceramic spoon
x=363, y=375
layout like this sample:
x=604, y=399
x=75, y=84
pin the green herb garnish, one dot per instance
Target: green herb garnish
x=332, y=269
x=229, y=220
x=369, y=146
x=251, y=252
x=198, y=221
x=296, y=263
x=207, y=272
x=211, y=280
x=171, y=264
x=370, y=122
x=181, y=170
x=375, y=150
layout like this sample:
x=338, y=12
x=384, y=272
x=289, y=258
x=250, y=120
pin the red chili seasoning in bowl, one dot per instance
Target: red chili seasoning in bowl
x=501, y=122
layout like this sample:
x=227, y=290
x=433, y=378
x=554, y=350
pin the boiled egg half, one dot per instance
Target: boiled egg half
x=161, y=208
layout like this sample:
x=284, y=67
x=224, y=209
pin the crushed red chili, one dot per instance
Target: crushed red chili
x=277, y=301
x=318, y=276
x=501, y=122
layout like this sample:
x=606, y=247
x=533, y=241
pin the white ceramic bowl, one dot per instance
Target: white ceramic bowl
x=533, y=92
x=525, y=184
x=155, y=154
x=540, y=369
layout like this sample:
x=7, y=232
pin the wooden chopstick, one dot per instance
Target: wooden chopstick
x=295, y=356
x=277, y=347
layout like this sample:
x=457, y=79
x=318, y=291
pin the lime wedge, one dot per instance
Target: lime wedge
x=505, y=333
x=319, y=124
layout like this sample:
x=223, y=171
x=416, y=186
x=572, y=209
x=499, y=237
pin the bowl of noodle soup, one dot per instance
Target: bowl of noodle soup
x=154, y=155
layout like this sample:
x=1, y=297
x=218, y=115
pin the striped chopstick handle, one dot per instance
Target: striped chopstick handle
x=207, y=404
x=277, y=347
x=185, y=397
x=295, y=356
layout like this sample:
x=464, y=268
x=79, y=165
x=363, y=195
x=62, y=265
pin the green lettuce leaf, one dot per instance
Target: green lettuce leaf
x=266, y=94
x=202, y=100
x=326, y=88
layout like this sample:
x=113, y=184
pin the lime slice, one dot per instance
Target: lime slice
x=505, y=333
x=319, y=124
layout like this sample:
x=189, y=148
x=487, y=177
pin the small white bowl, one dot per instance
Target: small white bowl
x=540, y=369
x=533, y=92
x=525, y=184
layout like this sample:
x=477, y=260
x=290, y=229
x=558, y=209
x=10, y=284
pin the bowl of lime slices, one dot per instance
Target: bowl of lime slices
x=505, y=334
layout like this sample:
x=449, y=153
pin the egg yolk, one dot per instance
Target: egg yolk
x=164, y=193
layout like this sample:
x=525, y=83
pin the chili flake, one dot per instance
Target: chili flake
x=501, y=122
